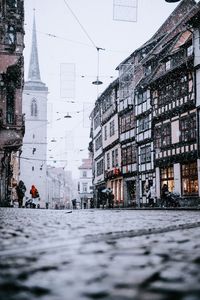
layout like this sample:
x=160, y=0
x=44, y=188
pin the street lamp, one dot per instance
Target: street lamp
x=67, y=116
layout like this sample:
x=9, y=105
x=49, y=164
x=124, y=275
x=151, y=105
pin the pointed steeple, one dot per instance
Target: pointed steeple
x=34, y=70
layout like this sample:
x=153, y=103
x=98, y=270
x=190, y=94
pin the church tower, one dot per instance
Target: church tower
x=34, y=106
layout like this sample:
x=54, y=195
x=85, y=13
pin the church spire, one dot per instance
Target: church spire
x=34, y=70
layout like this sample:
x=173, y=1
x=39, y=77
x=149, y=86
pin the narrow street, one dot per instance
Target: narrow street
x=99, y=254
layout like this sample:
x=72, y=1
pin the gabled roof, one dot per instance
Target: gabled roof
x=184, y=8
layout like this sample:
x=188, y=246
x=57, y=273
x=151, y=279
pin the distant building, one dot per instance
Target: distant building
x=34, y=151
x=85, y=187
x=11, y=84
x=61, y=188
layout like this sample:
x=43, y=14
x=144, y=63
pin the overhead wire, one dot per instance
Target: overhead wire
x=82, y=27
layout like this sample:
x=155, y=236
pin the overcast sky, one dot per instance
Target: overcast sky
x=61, y=39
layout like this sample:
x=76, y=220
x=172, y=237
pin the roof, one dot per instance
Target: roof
x=86, y=164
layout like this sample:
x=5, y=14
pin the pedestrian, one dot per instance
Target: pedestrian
x=110, y=196
x=34, y=192
x=35, y=197
x=151, y=195
x=20, y=189
x=164, y=194
x=14, y=197
x=74, y=203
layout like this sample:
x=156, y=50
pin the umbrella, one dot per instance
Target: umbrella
x=106, y=191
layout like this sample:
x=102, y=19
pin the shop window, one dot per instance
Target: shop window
x=167, y=177
x=189, y=177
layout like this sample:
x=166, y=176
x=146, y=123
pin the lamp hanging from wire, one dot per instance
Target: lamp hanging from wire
x=172, y=1
x=97, y=81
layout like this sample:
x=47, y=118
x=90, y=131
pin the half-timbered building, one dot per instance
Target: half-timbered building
x=97, y=153
x=174, y=113
x=111, y=145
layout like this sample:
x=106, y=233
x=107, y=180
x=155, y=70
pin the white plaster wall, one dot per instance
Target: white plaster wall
x=177, y=178
x=158, y=182
x=198, y=169
x=198, y=87
x=35, y=137
x=114, y=137
x=175, y=131
x=196, y=47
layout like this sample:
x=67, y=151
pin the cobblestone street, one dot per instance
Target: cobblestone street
x=99, y=254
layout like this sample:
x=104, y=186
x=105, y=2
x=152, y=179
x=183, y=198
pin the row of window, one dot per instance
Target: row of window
x=172, y=62
x=173, y=90
x=187, y=129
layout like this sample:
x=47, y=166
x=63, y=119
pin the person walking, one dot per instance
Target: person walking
x=164, y=194
x=14, y=196
x=20, y=189
x=34, y=192
x=151, y=195
x=110, y=198
x=35, y=196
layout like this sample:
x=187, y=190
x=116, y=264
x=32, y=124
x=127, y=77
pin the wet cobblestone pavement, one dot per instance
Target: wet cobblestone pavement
x=99, y=254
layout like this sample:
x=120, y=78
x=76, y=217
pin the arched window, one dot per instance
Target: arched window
x=34, y=109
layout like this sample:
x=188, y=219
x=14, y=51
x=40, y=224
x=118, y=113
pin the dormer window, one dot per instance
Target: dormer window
x=168, y=65
x=34, y=109
x=147, y=70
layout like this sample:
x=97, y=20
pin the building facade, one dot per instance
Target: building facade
x=158, y=112
x=34, y=151
x=85, y=187
x=11, y=85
